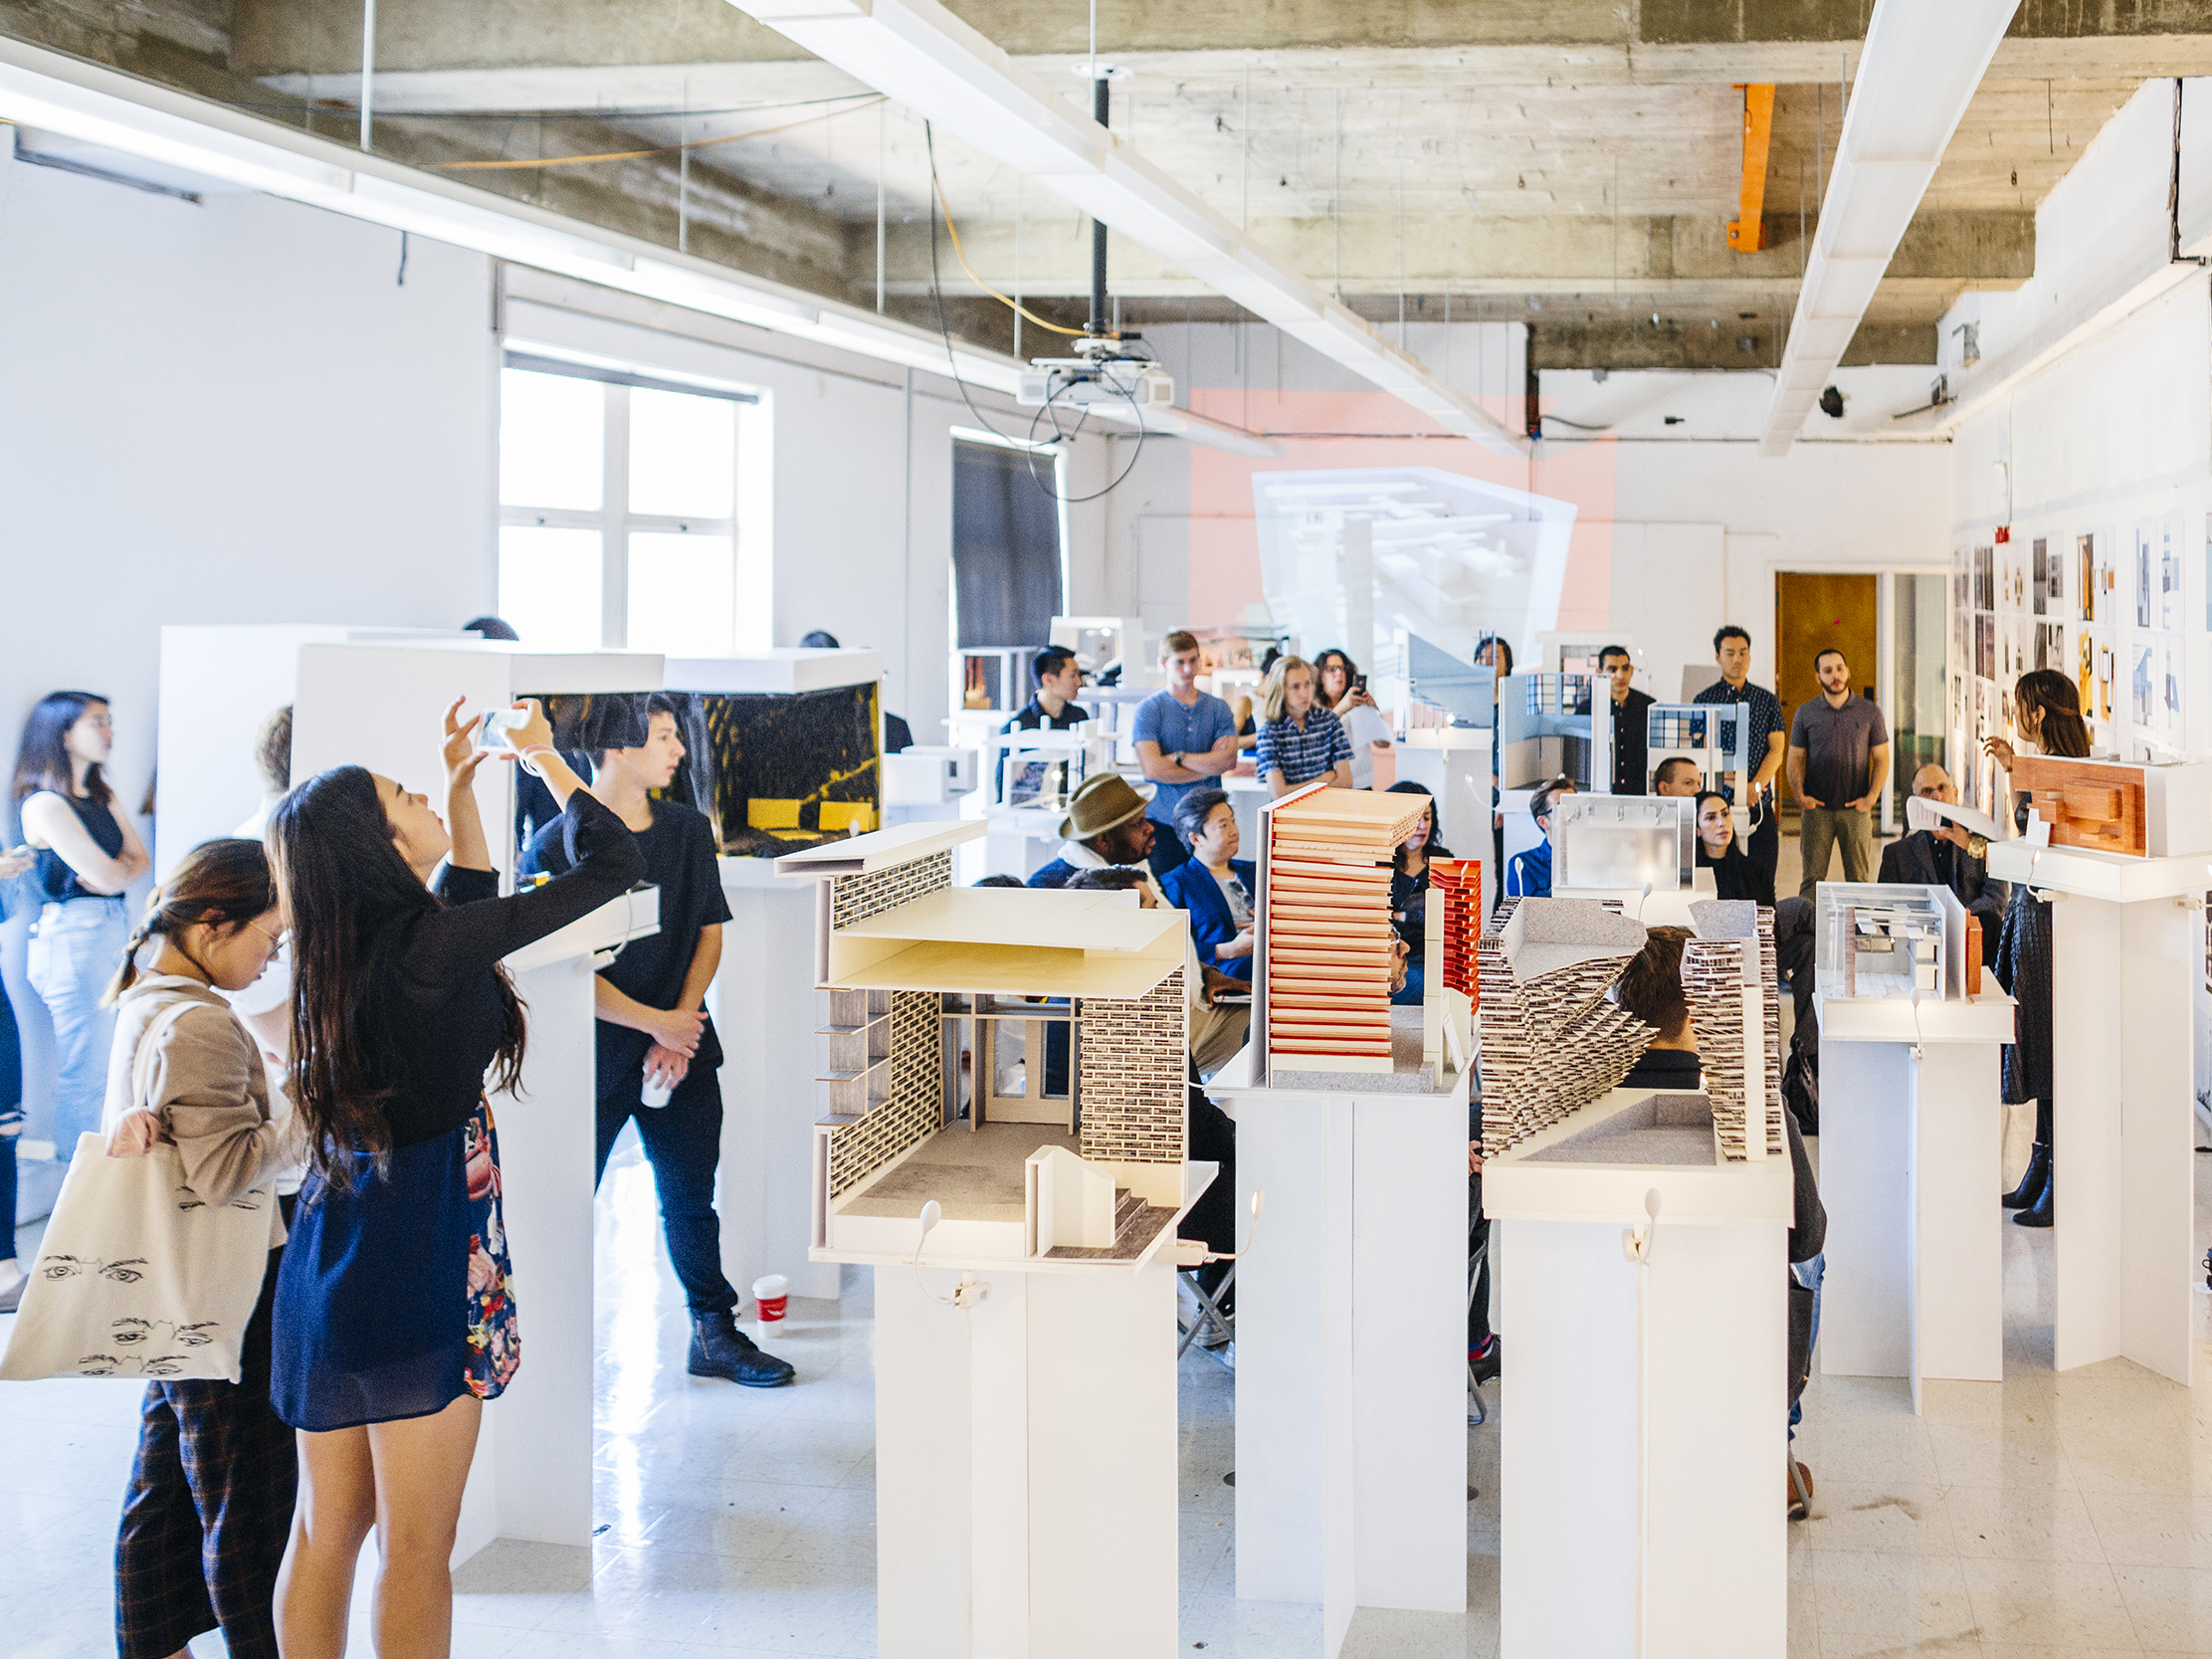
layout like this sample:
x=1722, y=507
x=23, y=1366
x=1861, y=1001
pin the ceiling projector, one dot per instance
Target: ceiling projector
x=1078, y=382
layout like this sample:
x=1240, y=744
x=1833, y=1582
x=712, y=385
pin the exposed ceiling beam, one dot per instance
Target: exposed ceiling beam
x=1916, y=74
x=925, y=58
x=95, y=105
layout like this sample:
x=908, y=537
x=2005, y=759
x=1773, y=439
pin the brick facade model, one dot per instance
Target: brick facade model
x=915, y=1109
x=1131, y=1075
x=857, y=898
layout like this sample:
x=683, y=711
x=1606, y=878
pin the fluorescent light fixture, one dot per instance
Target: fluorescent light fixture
x=410, y=207
x=922, y=55
x=1917, y=76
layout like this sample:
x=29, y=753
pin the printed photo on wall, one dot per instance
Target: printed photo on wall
x=1985, y=578
x=2170, y=571
x=2039, y=574
x=2084, y=567
x=2172, y=659
x=2085, y=672
x=2108, y=681
x=2050, y=647
x=2146, y=534
x=2142, y=692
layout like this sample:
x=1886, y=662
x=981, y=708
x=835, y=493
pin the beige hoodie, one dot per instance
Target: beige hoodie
x=206, y=1083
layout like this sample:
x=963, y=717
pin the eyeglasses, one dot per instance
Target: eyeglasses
x=276, y=939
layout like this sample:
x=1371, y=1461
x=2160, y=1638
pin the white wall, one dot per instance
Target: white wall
x=229, y=412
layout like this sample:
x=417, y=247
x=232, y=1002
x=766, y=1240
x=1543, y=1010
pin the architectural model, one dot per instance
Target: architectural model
x=913, y=972
x=1549, y=724
x=1623, y=841
x=1730, y=978
x=2113, y=806
x=1327, y=950
x=1455, y=915
x=1715, y=738
x=1550, y=1040
x=1876, y=940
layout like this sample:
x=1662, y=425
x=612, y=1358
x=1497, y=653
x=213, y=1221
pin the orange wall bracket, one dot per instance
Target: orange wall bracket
x=1747, y=234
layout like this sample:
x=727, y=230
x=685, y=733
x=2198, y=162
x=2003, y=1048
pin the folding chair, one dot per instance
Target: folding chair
x=1190, y=1256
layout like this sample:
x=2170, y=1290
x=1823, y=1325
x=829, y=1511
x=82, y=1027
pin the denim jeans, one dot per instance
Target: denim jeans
x=76, y=948
x=1809, y=1274
x=683, y=1143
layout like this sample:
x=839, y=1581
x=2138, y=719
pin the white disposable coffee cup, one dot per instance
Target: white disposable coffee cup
x=657, y=1090
x=770, y=1293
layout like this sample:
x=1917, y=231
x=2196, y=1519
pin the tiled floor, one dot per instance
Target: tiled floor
x=2047, y=1515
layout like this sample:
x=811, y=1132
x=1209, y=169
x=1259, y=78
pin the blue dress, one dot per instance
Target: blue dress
x=396, y=1293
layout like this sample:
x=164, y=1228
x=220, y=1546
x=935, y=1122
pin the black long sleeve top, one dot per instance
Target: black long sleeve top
x=437, y=968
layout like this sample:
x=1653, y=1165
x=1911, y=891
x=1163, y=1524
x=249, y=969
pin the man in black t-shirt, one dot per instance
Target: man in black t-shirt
x=653, y=1035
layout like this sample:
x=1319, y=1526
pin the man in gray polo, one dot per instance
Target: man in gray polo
x=1839, y=759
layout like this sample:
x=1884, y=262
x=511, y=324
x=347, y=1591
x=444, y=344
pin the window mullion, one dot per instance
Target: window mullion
x=614, y=541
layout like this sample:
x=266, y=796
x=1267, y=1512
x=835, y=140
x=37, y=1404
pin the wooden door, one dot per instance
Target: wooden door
x=1815, y=611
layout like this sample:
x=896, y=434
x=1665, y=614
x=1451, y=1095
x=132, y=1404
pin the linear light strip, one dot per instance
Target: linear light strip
x=1922, y=61
x=54, y=93
x=922, y=55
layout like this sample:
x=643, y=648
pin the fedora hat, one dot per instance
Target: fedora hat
x=1101, y=804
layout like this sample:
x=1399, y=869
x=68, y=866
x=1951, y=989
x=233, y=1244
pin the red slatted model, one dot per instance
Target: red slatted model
x=1329, y=952
x=1455, y=905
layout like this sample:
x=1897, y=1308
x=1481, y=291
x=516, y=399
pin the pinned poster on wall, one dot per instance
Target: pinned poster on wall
x=2146, y=537
x=2085, y=568
x=2084, y=671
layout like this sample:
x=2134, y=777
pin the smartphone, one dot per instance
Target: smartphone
x=1360, y=681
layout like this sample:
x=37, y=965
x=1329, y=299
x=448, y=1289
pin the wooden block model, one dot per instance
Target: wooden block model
x=1973, y=955
x=1550, y=1040
x=1456, y=910
x=1329, y=952
x=2097, y=804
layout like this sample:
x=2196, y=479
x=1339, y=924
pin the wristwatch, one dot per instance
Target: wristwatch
x=1977, y=846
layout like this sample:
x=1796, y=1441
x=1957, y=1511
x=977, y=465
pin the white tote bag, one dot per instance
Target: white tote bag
x=137, y=1276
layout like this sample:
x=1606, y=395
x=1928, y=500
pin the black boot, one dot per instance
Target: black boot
x=2033, y=1182
x=2038, y=1214
x=719, y=1348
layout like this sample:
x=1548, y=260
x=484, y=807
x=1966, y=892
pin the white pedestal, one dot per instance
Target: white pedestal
x=763, y=1003
x=1025, y=1465
x=1352, y=1348
x=531, y=1477
x=1644, y=1428
x=1909, y=1154
x=2128, y=948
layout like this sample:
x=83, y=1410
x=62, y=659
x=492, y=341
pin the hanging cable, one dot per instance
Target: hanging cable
x=936, y=186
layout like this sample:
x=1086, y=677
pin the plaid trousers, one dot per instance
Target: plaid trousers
x=208, y=1511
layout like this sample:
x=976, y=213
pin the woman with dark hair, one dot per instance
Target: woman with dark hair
x=2048, y=710
x=11, y=1276
x=1719, y=850
x=1338, y=689
x=88, y=854
x=1496, y=655
x=395, y=1310
x=1409, y=892
x=209, y=1504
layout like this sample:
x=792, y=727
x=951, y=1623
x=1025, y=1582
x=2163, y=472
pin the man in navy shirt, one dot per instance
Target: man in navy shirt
x=651, y=1031
x=1528, y=875
x=1185, y=738
x=1054, y=708
x=1731, y=649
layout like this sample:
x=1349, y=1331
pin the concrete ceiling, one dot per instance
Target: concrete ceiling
x=1569, y=162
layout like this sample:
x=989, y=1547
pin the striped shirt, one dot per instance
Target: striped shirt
x=1303, y=755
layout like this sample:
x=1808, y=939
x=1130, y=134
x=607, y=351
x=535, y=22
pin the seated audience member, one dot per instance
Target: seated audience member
x=1301, y=742
x=1106, y=825
x=1217, y=1030
x=1213, y=884
x=1528, y=875
x=1650, y=988
x=1001, y=881
x=1117, y=878
x=1676, y=776
x=898, y=735
x=1948, y=856
x=1343, y=692
x=1409, y=892
x=1734, y=876
x=1212, y=1219
x=1054, y=707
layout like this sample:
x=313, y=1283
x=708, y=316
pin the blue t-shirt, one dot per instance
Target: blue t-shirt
x=1180, y=730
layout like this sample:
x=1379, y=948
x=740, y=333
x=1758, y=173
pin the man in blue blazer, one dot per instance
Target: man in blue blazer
x=1214, y=886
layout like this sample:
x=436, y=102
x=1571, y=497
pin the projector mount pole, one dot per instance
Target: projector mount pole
x=1096, y=327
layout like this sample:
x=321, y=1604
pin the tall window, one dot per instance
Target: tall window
x=1006, y=554
x=618, y=513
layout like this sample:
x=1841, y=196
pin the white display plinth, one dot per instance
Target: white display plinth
x=1644, y=1428
x=1351, y=1346
x=2126, y=951
x=763, y=1003
x=531, y=1479
x=1025, y=1464
x=1910, y=1145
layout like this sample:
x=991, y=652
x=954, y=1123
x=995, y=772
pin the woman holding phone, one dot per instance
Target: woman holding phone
x=395, y=1308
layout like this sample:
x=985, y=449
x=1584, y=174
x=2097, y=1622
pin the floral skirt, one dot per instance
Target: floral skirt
x=396, y=1296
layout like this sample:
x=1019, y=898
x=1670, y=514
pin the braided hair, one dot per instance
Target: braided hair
x=224, y=883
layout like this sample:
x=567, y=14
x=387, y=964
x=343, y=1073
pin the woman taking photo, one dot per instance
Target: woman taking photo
x=209, y=1504
x=88, y=854
x=395, y=1312
x=2048, y=710
x=1409, y=892
x=1343, y=694
x=1213, y=885
x=1300, y=742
